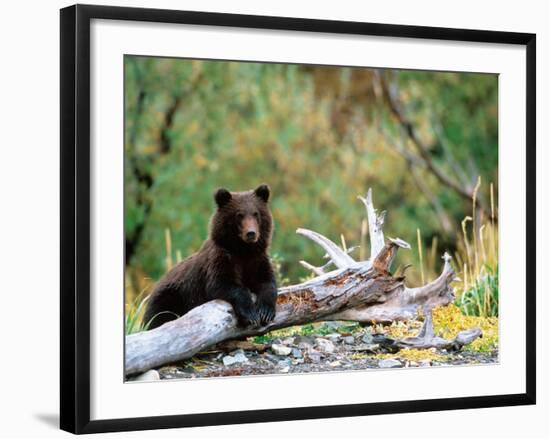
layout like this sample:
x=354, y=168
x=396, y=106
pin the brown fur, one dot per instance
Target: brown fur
x=232, y=264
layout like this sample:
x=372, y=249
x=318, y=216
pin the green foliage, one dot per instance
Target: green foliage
x=310, y=329
x=481, y=299
x=133, y=315
x=133, y=318
x=277, y=263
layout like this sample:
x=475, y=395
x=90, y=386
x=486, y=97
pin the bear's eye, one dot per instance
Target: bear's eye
x=240, y=216
x=256, y=215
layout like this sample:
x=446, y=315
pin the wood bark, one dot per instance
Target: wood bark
x=363, y=291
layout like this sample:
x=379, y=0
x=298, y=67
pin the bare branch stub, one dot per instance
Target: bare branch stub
x=436, y=293
x=384, y=259
x=317, y=270
x=323, y=268
x=338, y=256
x=376, y=224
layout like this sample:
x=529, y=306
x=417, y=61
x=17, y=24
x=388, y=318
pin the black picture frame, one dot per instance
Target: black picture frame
x=75, y=217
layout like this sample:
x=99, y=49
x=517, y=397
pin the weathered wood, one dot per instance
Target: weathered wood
x=376, y=224
x=427, y=339
x=338, y=256
x=362, y=291
x=403, y=303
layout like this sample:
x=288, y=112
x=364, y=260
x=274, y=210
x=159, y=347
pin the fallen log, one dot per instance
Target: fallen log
x=364, y=291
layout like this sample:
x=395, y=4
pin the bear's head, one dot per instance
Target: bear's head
x=242, y=221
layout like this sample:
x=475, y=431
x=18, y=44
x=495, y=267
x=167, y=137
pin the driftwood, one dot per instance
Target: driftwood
x=363, y=291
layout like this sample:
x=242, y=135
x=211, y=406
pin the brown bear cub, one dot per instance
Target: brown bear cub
x=232, y=264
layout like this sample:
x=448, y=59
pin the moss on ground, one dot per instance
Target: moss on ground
x=449, y=321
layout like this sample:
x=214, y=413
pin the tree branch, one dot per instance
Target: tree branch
x=396, y=107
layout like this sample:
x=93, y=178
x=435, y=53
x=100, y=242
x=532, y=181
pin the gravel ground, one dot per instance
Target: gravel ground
x=303, y=354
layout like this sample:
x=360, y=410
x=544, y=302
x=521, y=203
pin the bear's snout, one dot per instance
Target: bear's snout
x=249, y=230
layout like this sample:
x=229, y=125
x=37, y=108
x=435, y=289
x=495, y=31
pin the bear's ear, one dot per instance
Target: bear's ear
x=222, y=197
x=262, y=192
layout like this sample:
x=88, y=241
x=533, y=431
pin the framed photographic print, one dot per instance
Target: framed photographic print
x=274, y=218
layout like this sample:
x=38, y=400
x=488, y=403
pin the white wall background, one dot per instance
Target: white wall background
x=29, y=215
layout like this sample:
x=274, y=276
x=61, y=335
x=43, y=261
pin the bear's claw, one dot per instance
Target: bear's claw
x=266, y=313
x=248, y=318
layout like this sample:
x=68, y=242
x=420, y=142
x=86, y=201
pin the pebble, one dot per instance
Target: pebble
x=239, y=357
x=297, y=353
x=366, y=348
x=313, y=355
x=279, y=349
x=303, y=342
x=389, y=363
x=284, y=363
x=367, y=338
x=333, y=337
x=349, y=339
x=288, y=341
x=150, y=375
x=325, y=346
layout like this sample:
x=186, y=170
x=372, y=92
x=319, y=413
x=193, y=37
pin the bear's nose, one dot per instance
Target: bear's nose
x=250, y=235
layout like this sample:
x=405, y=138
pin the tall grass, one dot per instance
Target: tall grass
x=420, y=258
x=135, y=306
x=133, y=317
x=477, y=260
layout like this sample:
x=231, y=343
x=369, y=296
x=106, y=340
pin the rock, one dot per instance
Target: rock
x=386, y=343
x=297, y=353
x=425, y=363
x=335, y=363
x=239, y=357
x=349, y=339
x=150, y=375
x=303, y=342
x=284, y=363
x=268, y=356
x=325, y=346
x=279, y=349
x=246, y=345
x=365, y=348
x=389, y=363
x=288, y=341
x=313, y=355
x=262, y=361
x=367, y=338
x=333, y=337
x=284, y=369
